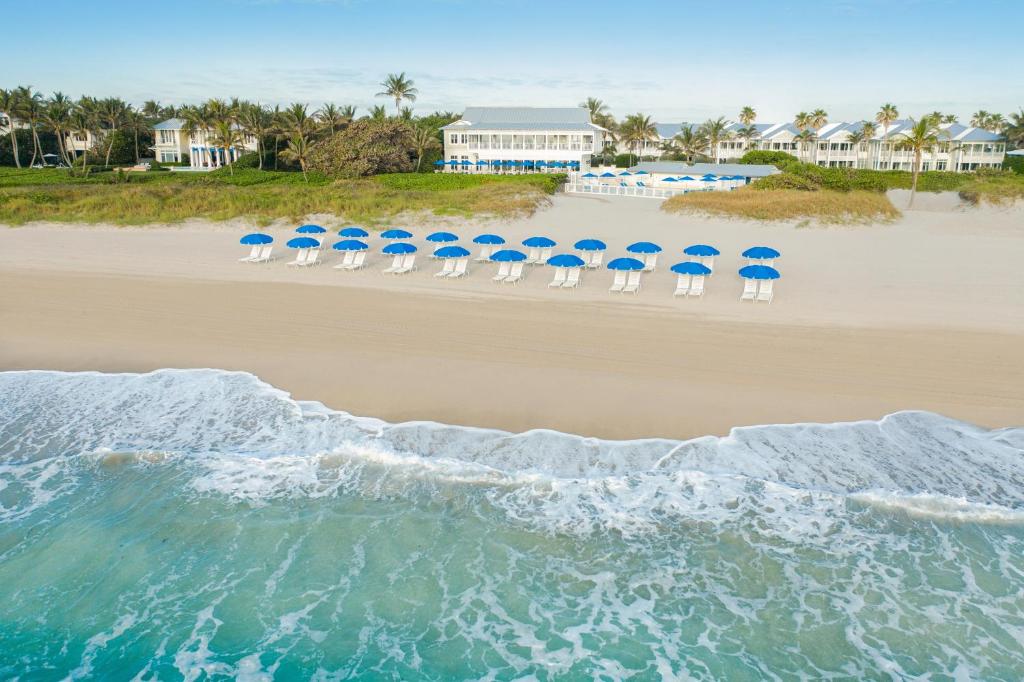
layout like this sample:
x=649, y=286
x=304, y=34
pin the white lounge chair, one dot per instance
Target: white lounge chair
x=254, y=253
x=765, y=261
x=596, y=258
x=560, y=275
x=346, y=261
x=300, y=257
x=749, y=290
x=533, y=256
x=359, y=261
x=545, y=254
x=515, y=275
x=408, y=264
x=396, y=264
x=766, y=290
x=708, y=262
x=447, y=269
x=485, y=254
x=460, y=268
x=619, y=283
x=650, y=260
x=697, y=285
x=503, y=271
x=632, y=283
x=264, y=256
x=682, y=285
x=572, y=279
x=312, y=258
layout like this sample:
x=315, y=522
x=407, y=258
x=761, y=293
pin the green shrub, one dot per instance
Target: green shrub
x=1014, y=163
x=624, y=160
x=785, y=181
x=367, y=147
x=766, y=157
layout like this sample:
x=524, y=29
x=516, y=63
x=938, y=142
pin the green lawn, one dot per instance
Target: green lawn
x=166, y=197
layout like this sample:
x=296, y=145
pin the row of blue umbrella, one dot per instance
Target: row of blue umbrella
x=707, y=177
x=482, y=162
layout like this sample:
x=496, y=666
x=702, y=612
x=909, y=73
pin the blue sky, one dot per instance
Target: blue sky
x=677, y=60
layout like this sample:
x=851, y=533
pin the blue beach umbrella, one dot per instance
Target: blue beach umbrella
x=643, y=247
x=353, y=231
x=439, y=162
x=395, y=234
x=709, y=175
x=541, y=164
x=480, y=162
x=606, y=174
x=399, y=248
x=761, y=253
x=350, y=245
x=590, y=245
x=690, y=268
x=451, y=252
x=626, y=264
x=256, y=238
x=310, y=229
x=465, y=162
x=759, y=272
x=303, y=243
x=669, y=179
x=539, y=242
x=589, y=175
x=624, y=173
x=442, y=237
x=641, y=172
x=491, y=239
x=701, y=250
x=687, y=177
x=709, y=179
x=508, y=256
x=566, y=260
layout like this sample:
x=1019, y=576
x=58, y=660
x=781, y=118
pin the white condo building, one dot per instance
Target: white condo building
x=492, y=139
x=172, y=141
x=961, y=148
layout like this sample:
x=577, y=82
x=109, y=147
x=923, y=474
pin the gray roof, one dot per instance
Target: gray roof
x=170, y=124
x=524, y=118
x=697, y=169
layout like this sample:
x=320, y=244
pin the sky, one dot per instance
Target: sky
x=675, y=61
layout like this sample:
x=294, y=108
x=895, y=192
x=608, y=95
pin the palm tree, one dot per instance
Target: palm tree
x=715, y=131
x=921, y=136
x=256, y=120
x=152, y=110
x=691, y=142
x=856, y=139
x=424, y=138
x=348, y=112
x=885, y=117
x=869, y=130
x=57, y=115
x=135, y=122
x=995, y=123
x=333, y=118
x=637, y=129
x=747, y=116
x=8, y=107
x=398, y=87
x=378, y=113
x=29, y=106
x=405, y=114
x=226, y=135
x=112, y=113
x=298, y=151
x=980, y=118
x=1015, y=129
x=81, y=123
x=804, y=121
x=805, y=138
x=747, y=133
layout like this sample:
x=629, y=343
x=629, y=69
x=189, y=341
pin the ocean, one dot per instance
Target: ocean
x=201, y=524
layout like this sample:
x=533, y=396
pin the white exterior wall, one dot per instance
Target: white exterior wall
x=518, y=145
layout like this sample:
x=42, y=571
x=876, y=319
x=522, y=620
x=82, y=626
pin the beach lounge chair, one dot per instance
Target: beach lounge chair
x=650, y=260
x=545, y=254
x=708, y=262
x=460, y=269
x=503, y=272
x=447, y=269
x=770, y=262
x=254, y=253
x=559, y=280
x=515, y=275
x=697, y=285
x=682, y=285
x=300, y=257
x=596, y=258
x=359, y=261
x=533, y=256
x=346, y=260
x=264, y=256
x=632, y=283
x=765, y=292
x=312, y=257
x=408, y=264
x=485, y=254
x=749, y=290
x=619, y=283
x=396, y=264
x=572, y=279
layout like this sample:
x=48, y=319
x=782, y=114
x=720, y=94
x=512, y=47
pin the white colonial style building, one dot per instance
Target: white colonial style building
x=512, y=139
x=961, y=148
x=172, y=142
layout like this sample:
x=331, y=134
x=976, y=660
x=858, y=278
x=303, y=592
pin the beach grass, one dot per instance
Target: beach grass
x=28, y=195
x=825, y=206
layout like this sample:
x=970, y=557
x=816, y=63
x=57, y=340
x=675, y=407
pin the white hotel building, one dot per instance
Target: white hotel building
x=172, y=141
x=961, y=148
x=520, y=138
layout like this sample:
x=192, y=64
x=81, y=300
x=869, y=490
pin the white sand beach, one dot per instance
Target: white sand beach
x=923, y=313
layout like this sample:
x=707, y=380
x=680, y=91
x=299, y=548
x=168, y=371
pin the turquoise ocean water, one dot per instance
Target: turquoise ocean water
x=202, y=525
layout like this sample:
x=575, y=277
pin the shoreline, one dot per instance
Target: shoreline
x=512, y=365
